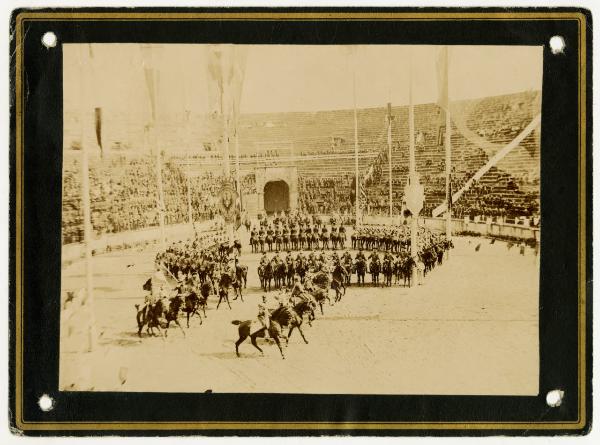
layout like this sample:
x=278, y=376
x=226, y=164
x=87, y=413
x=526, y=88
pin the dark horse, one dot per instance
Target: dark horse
x=192, y=304
x=241, y=273
x=279, y=318
x=388, y=271
x=338, y=281
x=374, y=270
x=152, y=314
x=361, y=268
x=225, y=282
x=265, y=274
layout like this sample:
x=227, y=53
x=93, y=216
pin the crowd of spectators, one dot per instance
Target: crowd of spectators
x=124, y=195
x=326, y=195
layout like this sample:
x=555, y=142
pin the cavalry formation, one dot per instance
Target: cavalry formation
x=188, y=273
x=297, y=232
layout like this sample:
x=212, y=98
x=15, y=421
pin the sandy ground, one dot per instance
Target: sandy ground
x=472, y=328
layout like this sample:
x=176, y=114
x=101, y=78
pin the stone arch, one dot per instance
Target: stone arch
x=276, y=196
x=288, y=175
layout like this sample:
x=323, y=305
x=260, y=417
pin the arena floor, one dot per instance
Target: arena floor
x=472, y=328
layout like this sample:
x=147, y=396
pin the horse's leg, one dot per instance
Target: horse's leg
x=321, y=304
x=238, y=343
x=180, y=327
x=292, y=326
x=302, y=333
x=253, y=340
x=227, y=299
x=188, y=319
x=276, y=338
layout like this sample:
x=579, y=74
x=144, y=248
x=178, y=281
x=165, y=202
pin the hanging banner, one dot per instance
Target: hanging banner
x=227, y=203
x=414, y=195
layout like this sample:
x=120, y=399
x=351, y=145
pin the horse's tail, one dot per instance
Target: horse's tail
x=236, y=322
x=137, y=307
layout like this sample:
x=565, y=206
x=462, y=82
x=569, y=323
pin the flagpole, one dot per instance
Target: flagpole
x=85, y=198
x=237, y=163
x=414, y=249
x=389, y=140
x=356, y=176
x=448, y=144
x=160, y=191
x=151, y=74
x=188, y=179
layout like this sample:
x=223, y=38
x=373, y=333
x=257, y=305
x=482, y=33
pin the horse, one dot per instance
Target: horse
x=280, y=317
x=237, y=246
x=241, y=273
x=388, y=271
x=348, y=266
x=360, y=266
x=265, y=274
x=253, y=243
x=269, y=241
x=279, y=273
x=321, y=290
x=300, y=268
x=286, y=240
x=290, y=272
x=149, y=316
x=191, y=305
x=299, y=309
x=338, y=279
x=407, y=267
x=333, y=238
x=225, y=283
x=154, y=314
x=294, y=241
x=325, y=241
x=374, y=269
x=342, y=240
x=205, y=290
x=398, y=270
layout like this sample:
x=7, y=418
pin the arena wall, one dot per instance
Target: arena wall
x=459, y=226
x=74, y=251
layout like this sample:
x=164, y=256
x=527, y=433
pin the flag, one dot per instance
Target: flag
x=353, y=191
x=150, y=76
x=98, y=119
x=363, y=195
x=442, y=77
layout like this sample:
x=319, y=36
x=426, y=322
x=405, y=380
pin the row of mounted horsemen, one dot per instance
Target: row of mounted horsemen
x=199, y=273
x=176, y=289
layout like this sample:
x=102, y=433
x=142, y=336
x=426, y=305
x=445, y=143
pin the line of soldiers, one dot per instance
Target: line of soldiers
x=388, y=238
x=186, y=265
x=297, y=236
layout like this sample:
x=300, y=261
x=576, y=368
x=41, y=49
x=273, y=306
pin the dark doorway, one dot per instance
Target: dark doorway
x=277, y=196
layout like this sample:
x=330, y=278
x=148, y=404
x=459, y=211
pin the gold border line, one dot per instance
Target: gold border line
x=311, y=16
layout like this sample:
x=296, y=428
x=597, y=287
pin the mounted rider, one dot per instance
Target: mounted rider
x=297, y=290
x=264, y=317
x=289, y=259
x=263, y=259
x=360, y=255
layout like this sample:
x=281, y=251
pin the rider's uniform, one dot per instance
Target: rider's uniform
x=264, y=260
x=297, y=291
x=263, y=315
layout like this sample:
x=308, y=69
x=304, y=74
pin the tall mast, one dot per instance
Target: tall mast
x=389, y=140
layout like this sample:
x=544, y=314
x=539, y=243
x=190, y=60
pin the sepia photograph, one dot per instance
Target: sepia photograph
x=315, y=219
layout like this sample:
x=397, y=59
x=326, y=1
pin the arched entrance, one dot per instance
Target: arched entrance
x=276, y=196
